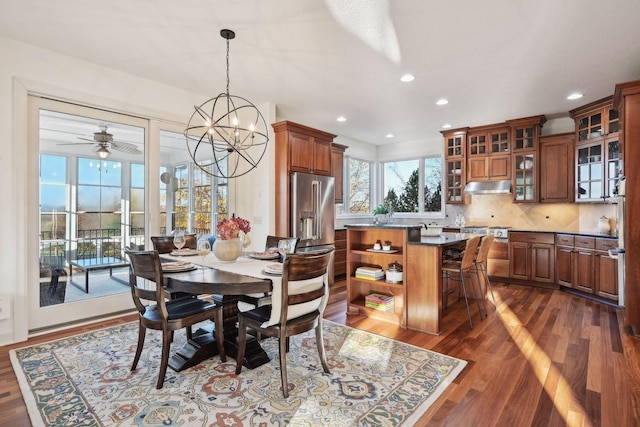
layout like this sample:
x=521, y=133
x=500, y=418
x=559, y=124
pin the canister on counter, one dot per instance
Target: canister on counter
x=394, y=273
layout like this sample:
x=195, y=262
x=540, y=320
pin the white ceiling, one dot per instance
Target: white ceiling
x=493, y=60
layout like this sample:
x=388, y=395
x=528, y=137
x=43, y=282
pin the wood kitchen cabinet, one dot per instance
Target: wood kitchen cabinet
x=627, y=103
x=455, y=165
x=337, y=170
x=488, y=153
x=525, y=139
x=298, y=148
x=557, y=168
x=532, y=256
x=340, y=254
x=598, y=150
x=584, y=263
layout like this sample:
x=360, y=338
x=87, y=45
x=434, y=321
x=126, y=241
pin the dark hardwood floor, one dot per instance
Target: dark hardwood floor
x=543, y=358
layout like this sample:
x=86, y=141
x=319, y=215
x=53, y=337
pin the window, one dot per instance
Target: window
x=136, y=210
x=53, y=209
x=413, y=186
x=358, y=187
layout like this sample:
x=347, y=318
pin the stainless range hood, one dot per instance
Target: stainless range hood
x=488, y=187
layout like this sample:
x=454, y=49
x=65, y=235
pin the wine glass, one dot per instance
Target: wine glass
x=204, y=247
x=246, y=241
x=179, y=240
x=284, y=248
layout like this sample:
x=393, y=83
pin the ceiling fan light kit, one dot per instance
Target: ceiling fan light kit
x=103, y=153
x=227, y=130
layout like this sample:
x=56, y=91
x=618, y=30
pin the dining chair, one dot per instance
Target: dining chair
x=270, y=243
x=164, y=244
x=166, y=316
x=303, y=298
x=481, y=265
x=461, y=268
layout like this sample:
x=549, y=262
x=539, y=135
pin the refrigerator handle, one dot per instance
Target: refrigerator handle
x=316, y=187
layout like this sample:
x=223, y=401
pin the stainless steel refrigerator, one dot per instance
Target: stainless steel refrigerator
x=621, y=250
x=312, y=211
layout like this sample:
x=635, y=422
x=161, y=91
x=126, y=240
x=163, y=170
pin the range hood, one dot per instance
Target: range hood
x=488, y=187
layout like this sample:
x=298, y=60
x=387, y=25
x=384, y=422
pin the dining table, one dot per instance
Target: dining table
x=225, y=283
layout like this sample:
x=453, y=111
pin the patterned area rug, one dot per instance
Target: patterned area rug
x=86, y=381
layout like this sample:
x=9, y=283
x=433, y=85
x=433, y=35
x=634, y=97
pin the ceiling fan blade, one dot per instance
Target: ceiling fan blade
x=125, y=147
x=77, y=143
x=87, y=139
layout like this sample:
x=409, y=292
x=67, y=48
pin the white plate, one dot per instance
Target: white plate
x=184, y=252
x=270, y=273
x=264, y=255
x=382, y=251
x=174, y=267
x=273, y=269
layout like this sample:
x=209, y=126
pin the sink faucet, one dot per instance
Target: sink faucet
x=424, y=225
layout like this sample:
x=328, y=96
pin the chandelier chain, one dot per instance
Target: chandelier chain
x=227, y=67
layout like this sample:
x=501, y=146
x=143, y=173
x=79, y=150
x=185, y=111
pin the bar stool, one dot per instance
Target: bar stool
x=481, y=264
x=465, y=266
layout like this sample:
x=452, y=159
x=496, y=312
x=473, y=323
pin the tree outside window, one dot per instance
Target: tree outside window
x=358, y=187
x=413, y=186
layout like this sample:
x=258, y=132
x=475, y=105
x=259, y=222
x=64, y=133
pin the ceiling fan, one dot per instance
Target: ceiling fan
x=103, y=141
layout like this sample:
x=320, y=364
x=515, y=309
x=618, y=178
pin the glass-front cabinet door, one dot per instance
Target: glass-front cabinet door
x=525, y=177
x=455, y=180
x=614, y=166
x=590, y=173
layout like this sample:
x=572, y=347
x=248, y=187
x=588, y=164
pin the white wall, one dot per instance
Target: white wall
x=28, y=69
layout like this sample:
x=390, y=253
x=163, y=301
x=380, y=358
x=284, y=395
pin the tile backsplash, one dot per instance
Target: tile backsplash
x=499, y=210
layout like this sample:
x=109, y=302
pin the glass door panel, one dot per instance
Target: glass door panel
x=90, y=206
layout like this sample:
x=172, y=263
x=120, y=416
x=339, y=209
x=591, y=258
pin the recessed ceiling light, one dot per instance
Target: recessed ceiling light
x=446, y=126
x=342, y=119
x=442, y=101
x=390, y=135
x=574, y=96
x=407, y=78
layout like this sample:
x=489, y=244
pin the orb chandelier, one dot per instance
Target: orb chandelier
x=227, y=136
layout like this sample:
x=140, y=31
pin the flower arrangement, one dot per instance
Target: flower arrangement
x=230, y=228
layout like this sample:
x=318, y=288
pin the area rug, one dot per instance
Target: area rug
x=86, y=380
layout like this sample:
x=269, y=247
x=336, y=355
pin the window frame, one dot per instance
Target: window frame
x=380, y=193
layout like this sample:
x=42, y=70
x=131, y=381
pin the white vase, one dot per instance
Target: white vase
x=603, y=225
x=227, y=250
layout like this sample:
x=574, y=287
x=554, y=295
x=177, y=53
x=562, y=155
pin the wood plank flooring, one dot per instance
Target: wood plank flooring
x=542, y=358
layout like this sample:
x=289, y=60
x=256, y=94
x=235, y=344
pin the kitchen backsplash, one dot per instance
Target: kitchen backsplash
x=500, y=211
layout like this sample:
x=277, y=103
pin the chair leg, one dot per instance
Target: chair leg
x=164, y=362
x=486, y=276
x=242, y=344
x=320, y=344
x=482, y=294
x=219, y=334
x=142, y=331
x=466, y=300
x=475, y=296
x=282, y=341
x=189, y=333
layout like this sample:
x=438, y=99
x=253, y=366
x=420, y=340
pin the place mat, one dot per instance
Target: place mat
x=86, y=380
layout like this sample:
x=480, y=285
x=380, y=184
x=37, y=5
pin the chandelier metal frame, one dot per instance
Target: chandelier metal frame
x=227, y=127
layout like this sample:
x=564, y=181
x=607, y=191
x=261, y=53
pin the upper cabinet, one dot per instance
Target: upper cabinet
x=557, y=168
x=525, y=138
x=455, y=143
x=489, y=153
x=598, y=151
x=337, y=170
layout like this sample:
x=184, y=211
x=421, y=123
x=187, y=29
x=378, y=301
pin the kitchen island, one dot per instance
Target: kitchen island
x=417, y=296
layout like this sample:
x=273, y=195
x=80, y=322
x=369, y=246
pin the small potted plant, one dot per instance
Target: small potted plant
x=381, y=214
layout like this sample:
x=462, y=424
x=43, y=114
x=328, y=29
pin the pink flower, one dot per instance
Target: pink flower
x=230, y=228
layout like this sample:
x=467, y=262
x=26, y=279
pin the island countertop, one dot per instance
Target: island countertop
x=442, y=239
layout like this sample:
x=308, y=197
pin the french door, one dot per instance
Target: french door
x=87, y=203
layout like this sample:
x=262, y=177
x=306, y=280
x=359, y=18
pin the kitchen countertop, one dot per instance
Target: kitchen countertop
x=589, y=233
x=382, y=226
x=443, y=239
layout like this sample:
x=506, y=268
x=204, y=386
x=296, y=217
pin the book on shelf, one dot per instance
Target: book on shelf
x=379, y=302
